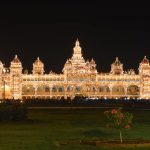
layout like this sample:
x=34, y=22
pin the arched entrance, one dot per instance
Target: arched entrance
x=133, y=90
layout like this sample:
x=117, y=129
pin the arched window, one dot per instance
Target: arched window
x=94, y=89
x=88, y=89
x=54, y=89
x=133, y=90
x=101, y=89
x=60, y=89
x=28, y=89
x=47, y=89
x=68, y=89
x=40, y=89
x=78, y=89
x=107, y=89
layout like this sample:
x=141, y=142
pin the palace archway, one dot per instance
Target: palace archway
x=133, y=90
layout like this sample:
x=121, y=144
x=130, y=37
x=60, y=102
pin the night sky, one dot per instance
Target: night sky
x=50, y=30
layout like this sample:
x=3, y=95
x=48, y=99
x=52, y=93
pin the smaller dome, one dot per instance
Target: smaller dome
x=38, y=62
x=16, y=60
x=117, y=62
x=92, y=61
x=145, y=60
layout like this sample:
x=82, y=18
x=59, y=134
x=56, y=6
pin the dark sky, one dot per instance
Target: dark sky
x=49, y=30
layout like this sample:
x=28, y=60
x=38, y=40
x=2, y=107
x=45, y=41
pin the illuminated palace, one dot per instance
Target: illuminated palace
x=78, y=77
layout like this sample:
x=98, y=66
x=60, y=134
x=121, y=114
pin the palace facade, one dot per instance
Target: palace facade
x=78, y=77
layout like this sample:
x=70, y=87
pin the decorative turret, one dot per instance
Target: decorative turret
x=145, y=61
x=15, y=66
x=77, y=65
x=67, y=66
x=144, y=67
x=117, y=67
x=144, y=72
x=38, y=67
x=92, y=63
x=16, y=73
x=77, y=48
x=87, y=63
x=77, y=54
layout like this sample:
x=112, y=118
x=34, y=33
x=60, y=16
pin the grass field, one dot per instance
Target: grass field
x=46, y=127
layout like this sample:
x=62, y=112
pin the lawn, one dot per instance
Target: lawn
x=46, y=127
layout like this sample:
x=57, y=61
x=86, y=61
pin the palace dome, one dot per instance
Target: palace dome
x=92, y=61
x=117, y=62
x=145, y=60
x=77, y=48
x=16, y=60
x=38, y=62
x=38, y=67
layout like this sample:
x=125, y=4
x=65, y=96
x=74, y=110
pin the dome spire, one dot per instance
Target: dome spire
x=16, y=59
x=145, y=60
x=77, y=44
x=16, y=56
x=117, y=62
x=77, y=48
x=117, y=59
x=77, y=53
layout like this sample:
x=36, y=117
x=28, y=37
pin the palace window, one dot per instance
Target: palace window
x=47, y=89
x=54, y=89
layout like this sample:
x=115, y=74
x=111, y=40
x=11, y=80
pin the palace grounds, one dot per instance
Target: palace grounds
x=49, y=128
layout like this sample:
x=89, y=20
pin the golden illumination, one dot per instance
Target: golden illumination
x=78, y=77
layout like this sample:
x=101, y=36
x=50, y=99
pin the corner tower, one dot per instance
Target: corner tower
x=144, y=72
x=16, y=76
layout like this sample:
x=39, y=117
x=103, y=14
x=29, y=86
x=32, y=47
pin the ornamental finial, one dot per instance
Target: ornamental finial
x=77, y=42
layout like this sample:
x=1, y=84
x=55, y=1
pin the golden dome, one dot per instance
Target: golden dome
x=38, y=62
x=117, y=62
x=145, y=60
x=92, y=61
x=16, y=60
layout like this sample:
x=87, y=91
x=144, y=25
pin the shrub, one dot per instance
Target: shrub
x=119, y=120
